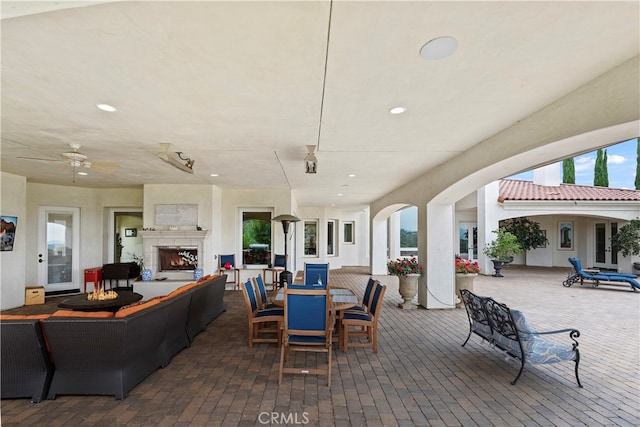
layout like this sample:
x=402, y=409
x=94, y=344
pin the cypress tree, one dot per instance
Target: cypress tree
x=638, y=164
x=598, y=177
x=605, y=169
x=568, y=171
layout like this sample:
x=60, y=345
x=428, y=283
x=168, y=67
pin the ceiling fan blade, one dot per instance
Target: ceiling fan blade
x=105, y=164
x=38, y=158
x=102, y=170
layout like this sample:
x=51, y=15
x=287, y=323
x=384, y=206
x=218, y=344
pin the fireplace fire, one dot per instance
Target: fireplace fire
x=177, y=258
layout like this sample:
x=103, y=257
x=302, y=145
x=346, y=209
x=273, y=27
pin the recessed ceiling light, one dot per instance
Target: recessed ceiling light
x=106, y=107
x=82, y=173
x=214, y=174
x=397, y=110
x=439, y=48
x=339, y=194
x=352, y=175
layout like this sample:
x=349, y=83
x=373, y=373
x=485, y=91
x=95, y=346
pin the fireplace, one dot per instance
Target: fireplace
x=173, y=258
x=173, y=255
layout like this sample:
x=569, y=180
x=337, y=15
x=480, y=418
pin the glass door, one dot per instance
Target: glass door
x=58, y=243
x=605, y=256
x=468, y=240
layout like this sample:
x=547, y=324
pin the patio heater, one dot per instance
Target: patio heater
x=286, y=275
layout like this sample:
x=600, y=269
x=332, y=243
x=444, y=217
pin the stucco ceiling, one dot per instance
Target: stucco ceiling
x=243, y=87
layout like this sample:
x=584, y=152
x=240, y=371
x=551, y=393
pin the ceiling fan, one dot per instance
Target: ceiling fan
x=76, y=159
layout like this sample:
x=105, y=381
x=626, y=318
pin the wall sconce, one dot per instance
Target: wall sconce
x=189, y=163
x=310, y=161
x=165, y=157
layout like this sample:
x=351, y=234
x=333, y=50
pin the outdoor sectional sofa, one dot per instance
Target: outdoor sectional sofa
x=103, y=353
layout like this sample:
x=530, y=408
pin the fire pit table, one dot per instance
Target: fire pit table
x=81, y=303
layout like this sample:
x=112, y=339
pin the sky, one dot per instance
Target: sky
x=621, y=167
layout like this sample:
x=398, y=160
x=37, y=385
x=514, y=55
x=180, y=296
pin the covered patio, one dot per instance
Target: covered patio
x=421, y=376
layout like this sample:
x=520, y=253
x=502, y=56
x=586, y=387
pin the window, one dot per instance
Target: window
x=256, y=237
x=311, y=238
x=348, y=232
x=331, y=237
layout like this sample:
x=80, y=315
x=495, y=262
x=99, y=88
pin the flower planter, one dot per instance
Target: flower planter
x=463, y=281
x=408, y=289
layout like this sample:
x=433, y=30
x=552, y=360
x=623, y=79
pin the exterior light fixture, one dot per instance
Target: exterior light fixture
x=310, y=161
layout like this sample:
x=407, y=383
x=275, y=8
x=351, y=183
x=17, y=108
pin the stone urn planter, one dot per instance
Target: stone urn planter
x=463, y=281
x=497, y=266
x=408, y=290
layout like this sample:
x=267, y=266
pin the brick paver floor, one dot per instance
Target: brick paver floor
x=421, y=375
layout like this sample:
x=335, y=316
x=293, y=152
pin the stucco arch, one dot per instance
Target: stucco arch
x=600, y=113
x=379, y=237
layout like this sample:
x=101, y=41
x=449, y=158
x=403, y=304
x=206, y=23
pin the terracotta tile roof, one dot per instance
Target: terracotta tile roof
x=511, y=189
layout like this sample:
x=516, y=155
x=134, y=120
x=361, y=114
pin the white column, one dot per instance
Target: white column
x=379, y=246
x=488, y=220
x=394, y=235
x=439, y=254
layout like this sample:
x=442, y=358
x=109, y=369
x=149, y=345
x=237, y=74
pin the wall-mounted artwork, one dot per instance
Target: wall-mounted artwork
x=130, y=232
x=565, y=235
x=7, y=232
x=176, y=215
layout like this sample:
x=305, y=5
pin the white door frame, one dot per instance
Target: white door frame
x=43, y=253
x=608, y=259
x=469, y=226
x=111, y=240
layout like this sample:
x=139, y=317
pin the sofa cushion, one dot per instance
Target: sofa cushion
x=23, y=316
x=131, y=309
x=85, y=314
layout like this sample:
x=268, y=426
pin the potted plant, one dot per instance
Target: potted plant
x=501, y=249
x=528, y=233
x=466, y=271
x=627, y=240
x=408, y=270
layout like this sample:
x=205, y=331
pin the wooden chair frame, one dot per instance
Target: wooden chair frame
x=222, y=260
x=260, y=321
x=368, y=322
x=306, y=340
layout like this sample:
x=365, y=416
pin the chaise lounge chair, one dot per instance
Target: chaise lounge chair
x=606, y=276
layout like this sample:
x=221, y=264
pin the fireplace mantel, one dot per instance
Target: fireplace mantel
x=174, y=234
x=152, y=240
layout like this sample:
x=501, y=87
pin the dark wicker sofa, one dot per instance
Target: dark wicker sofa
x=26, y=367
x=104, y=353
x=108, y=356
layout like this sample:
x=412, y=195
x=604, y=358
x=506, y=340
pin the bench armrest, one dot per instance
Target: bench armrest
x=573, y=334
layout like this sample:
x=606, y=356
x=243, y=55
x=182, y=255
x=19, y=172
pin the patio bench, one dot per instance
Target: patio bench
x=508, y=331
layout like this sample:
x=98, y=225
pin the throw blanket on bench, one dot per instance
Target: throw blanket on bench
x=509, y=331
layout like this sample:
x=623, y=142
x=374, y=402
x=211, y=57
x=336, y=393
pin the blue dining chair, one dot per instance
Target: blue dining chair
x=308, y=327
x=316, y=274
x=261, y=321
x=279, y=265
x=227, y=263
x=261, y=292
x=367, y=320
